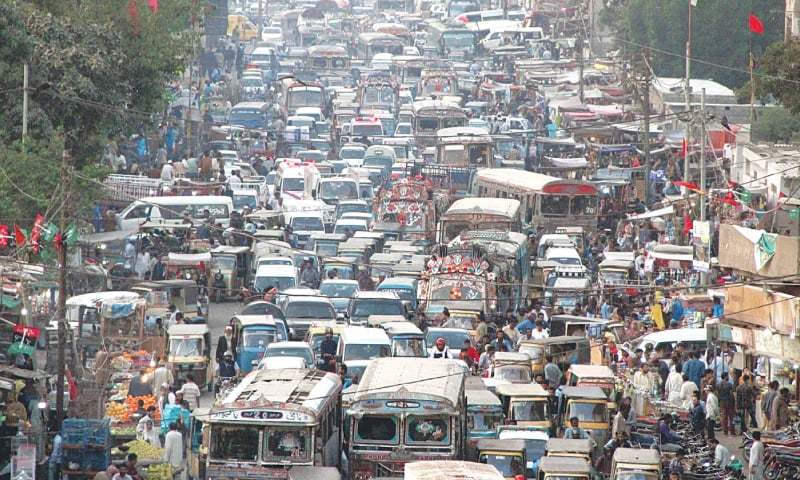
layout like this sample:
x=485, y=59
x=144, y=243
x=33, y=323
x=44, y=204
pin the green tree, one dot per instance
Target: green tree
x=779, y=74
x=776, y=125
x=721, y=39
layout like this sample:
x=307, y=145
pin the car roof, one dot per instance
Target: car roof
x=279, y=270
x=378, y=295
x=398, y=282
x=357, y=335
x=289, y=344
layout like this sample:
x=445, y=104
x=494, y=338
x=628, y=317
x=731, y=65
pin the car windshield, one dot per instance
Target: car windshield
x=186, y=347
x=303, y=353
x=513, y=374
x=308, y=224
x=287, y=444
x=293, y=184
x=534, y=448
x=322, y=311
x=241, y=201
x=529, y=410
x=588, y=412
x=338, y=290
x=365, y=308
x=341, y=190
x=365, y=351
x=403, y=129
x=408, y=347
x=509, y=465
x=305, y=98
x=252, y=82
x=281, y=283
x=316, y=342
x=351, y=153
x=367, y=130
x=453, y=339
x=258, y=338
x=234, y=443
x=637, y=476
x=483, y=422
x=341, y=209
x=403, y=293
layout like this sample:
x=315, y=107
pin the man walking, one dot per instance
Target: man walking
x=756, y=461
x=726, y=404
x=745, y=403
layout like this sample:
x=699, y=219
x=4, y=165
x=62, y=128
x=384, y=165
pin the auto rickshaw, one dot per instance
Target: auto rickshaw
x=160, y=294
x=188, y=266
x=513, y=367
x=560, y=468
x=251, y=336
x=527, y=405
x=230, y=271
x=382, y=265
x=316, y=334
x=345, y=267
x=590, y=406
x=508, y=456
x=594, y=376
x=325, y=244
x=535, y=442
x=636, y=463
x=570, y=447
x=565, y=351
x=484, y=413
x=189, y=351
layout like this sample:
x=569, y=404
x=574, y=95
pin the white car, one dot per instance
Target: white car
x=403, y=130
x=290, y=349
x=272, y=36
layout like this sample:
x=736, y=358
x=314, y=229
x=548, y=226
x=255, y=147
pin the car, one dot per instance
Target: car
x=275, y=261
x=272, y=36
x=453, y=337
x=280, y=363
x=340, y=292
x=364, y=304
x=352, y=206
x=351, y=225
x=478, y=123
x=290, y=349
x=304, y=308
x=352, y=155
x=403, y=130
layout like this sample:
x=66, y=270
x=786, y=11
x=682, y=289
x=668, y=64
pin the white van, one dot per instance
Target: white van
x=280, y=276
x=360, y=345
x=170, y=210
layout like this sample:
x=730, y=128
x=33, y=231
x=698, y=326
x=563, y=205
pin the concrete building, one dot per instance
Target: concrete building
x=769, y=170
x=792, y=23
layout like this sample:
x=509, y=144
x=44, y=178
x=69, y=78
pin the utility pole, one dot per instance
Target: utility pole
x=25, y=69
x=62, y=290
x=688, y=98
x=579, y=48
x=702, y=155
x=646, y=113
x=260, y=17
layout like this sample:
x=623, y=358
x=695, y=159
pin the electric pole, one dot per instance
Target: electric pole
x=688, y=98
x=62, y=289
x=25, y=69
x=579, y=48
x=646, y=114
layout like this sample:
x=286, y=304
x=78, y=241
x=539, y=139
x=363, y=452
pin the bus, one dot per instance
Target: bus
x=272, y=420
x=457, y=7
x=452, y=39
x=296, y=95
x=328, y=60
x=430, y=116
x=370, y=43
x=547, y=203
x=250, y=115
x=405, y=409
x=479, y=213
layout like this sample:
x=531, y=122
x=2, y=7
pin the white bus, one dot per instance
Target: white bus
x=272, y=420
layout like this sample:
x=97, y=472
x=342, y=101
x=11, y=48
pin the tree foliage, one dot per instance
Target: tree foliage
x=779, y=77
x=92, y=70
x=721, y=39
x=776, y=125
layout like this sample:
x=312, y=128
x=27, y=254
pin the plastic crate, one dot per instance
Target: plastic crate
x=89, y=460
x=98, y=433
x=77, y=432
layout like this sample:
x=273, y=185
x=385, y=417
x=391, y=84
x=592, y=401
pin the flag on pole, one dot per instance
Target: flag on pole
x=684, y=148
x=756, y=25
x=36, y=232
x=133, y=13
x=153, y=4
x=693, y=2
x=4, y=236
x=19, y=236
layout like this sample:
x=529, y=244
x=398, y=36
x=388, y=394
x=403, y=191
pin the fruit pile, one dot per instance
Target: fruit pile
x=160, y=471
x=149, y=400
x=144, y=450
x=117, y=412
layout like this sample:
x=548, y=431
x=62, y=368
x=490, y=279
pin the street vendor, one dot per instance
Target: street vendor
x=140, y=384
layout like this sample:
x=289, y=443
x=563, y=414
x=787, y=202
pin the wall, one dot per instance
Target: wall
x=737, y=252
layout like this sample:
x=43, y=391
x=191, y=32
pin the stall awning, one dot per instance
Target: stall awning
x=673, y=253
x=574, y=162
x=9, y=303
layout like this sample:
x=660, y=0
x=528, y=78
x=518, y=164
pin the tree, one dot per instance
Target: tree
x=779, y=74
x=776, y=125
x=721, y=39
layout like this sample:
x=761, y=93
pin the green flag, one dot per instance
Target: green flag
x=71, y=235
x=49, y=232
x=794, y=213
x=745, y=196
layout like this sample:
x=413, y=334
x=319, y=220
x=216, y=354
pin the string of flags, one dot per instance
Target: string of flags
x=738, y=196
x=40, y=235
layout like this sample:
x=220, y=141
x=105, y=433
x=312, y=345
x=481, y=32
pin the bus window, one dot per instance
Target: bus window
x=287, y=442
x=373, y=428
x=427, y=430
x=555, y=205
x=583, y=205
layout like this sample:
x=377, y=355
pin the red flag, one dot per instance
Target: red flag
x=684, y=148
x=4, y=236
x=133, y=12
x=153, y=4
x=36, y=232
x=58, y=241
x=689, y=185
x=756, y=25
x=19, y=237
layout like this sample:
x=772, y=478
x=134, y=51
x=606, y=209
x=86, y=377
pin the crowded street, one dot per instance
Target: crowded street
x=400, y=239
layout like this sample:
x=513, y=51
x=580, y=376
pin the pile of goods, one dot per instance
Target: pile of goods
x=143, y=450
x=148, y=400
x=122, y=412
x=87, y=444
x=161, y=471
x=117, y=412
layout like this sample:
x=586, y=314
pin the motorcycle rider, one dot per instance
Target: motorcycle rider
x=227, y=369
x=308, y=274
x=327, y=350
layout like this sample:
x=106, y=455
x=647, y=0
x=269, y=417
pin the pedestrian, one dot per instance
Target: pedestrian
x=672, y=387
x=712, y=411
x=697, y=415
x=766, y=402
x=551, y=372
x=145, y=429
x=162, y=374
x=539, y=333
x=501, y=344
x=511, y=331
x=756, y=460
x=190, y=391
x=486, y=359
x=56, y=459
x=440, y=349
x=745, y=403
x=122, y=473
x=779, y=416
x=130, y=465
x=173, y=447
x=224, y=343
x=619, y=424
x=695, y=369
x=727, y=404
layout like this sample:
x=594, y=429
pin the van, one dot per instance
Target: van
x=359, y=345
x=250, y=114
x=170, y=210
x=280, y=276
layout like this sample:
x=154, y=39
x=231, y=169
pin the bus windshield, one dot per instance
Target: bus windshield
x=305, y=97
x=234, y=443
x=285, y=443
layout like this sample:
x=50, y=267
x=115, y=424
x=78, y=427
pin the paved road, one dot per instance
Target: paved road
x=219, y=314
